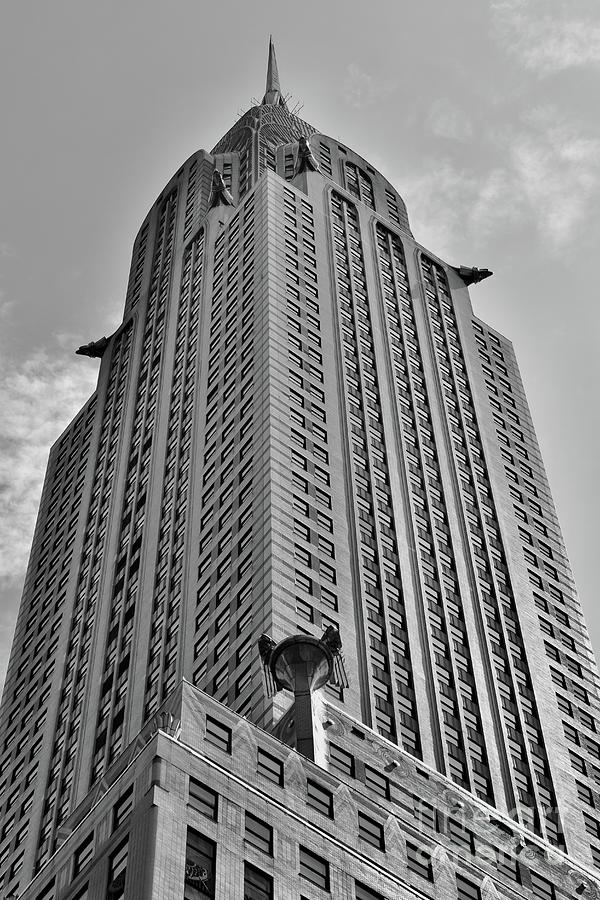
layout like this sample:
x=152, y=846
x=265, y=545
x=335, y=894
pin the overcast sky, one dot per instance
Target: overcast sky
x=482, y=114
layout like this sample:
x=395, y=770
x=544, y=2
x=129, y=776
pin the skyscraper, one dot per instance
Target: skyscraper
x=299, y=426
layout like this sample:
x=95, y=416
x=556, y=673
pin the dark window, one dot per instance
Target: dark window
x=425, y=814
x=508, y=865
x=341, y=761
x=419, y=861
x=592, y=826
x=459, y=834
x=83, y=854
x=257, y=885
x=319, y=798
x=48, y=892
x=467, y=890
x=258, y=834
x=117, y=870
x=122, y=807
x=362, y=892
x=82, y=894
x=218, y=735
x=377, y=782
x=314, y=869
x=370, y=831
x=200, y=856
x=541, y=887
x=270, y=767
x=204, y=799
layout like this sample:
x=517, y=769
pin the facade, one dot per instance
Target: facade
x=299, y=425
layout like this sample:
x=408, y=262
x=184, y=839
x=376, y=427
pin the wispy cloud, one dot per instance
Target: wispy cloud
x=38, y=398
x=361, y=89
x=542, y=173
x=547, y=36
x=7, y=251
x=558, y=172
x=449, y=121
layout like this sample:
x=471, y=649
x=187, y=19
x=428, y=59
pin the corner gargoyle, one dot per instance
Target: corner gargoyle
x=95, y=349
x=306, y=160
x=472, y=275
x=219, y=193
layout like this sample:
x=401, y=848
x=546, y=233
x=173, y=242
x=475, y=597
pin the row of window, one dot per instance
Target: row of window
x=74, y=680
x=110, y=726
x=391, y=668
x=461, y=717
x=313, y=575
x=524, y=453
x=225, y=564
x=534, y=791
x=162, y=668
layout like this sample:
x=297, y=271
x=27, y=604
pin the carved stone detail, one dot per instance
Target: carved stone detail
x=244, y=743
x=334, y=724
x=219, y=195
x=295, y=776
x=345, y=809
x=306, y=161
x=473, y=275
x=488, y=889
x=394, y=763
x=395, y=842
x=94, y=349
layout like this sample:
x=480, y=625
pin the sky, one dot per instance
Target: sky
x=482, y=114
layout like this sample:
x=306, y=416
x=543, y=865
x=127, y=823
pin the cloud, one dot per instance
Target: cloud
x=558, y=172
x=361, y=89
x=449, y=121
x=7, y=251
x=546, y=41
x=6, y=307
x=455, y=205
x=542, y=174
x=38, y=398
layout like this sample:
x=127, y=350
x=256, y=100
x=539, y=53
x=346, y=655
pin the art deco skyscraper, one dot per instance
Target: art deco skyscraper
x=300, y=423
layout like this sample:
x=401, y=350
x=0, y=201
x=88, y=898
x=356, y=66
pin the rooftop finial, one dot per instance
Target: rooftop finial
x=273, y=96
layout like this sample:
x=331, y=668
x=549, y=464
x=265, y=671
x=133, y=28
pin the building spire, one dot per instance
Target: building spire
x=273, y=95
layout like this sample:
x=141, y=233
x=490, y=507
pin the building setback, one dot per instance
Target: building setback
x=300, y=428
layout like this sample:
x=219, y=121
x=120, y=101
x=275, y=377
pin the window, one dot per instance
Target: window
x=467, y=890
x=319, y=798
x=117, y=870
x=370, y=831
x=541, y=888
x=83, y=854
x=592, y=826
x=460, y=834
x=379, y=784
x=47, y=893
x=218, y=735
x=122, y=808
x=200, y=856
x=362, y=892
x=584, y=793
x=314, y=869
x=82, y=894
x=419, y=861
x=508, y=865
x=270, y=767
x=258, y=834
x=204, y=799
x=425, y=814
x=257, y=885
x=341, y=761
